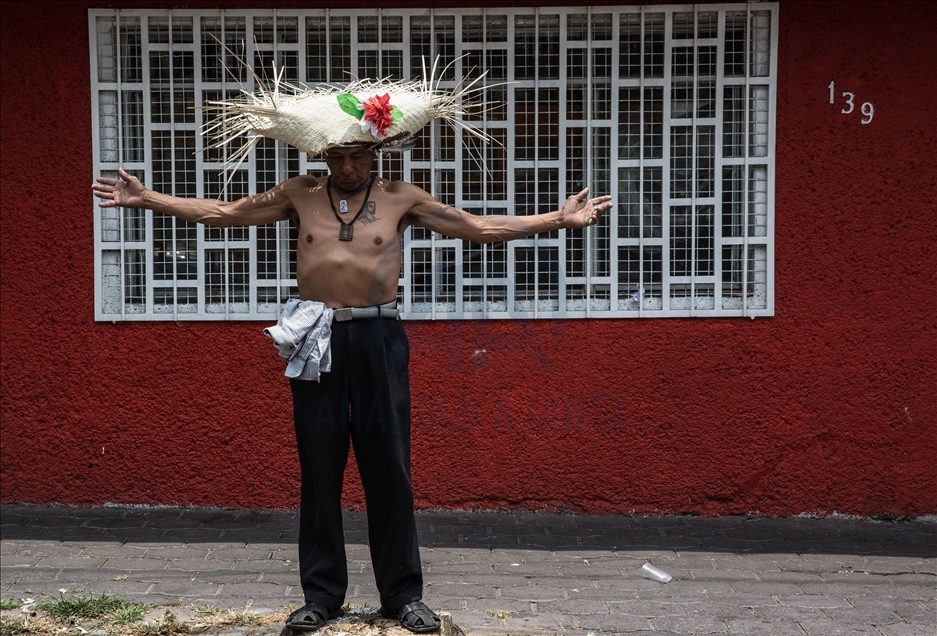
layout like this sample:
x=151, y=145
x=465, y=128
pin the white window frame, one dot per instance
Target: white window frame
x=605, y=295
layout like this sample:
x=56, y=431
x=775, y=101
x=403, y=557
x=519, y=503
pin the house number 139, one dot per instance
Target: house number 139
x=867, y=110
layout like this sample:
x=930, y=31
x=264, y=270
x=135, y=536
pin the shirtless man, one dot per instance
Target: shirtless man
x=348, y=256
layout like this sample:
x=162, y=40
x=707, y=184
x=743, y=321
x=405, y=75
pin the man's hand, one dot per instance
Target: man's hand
x=126, y=191
x=580, y=211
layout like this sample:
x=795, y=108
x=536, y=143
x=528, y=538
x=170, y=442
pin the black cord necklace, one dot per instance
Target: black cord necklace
x=345, y=233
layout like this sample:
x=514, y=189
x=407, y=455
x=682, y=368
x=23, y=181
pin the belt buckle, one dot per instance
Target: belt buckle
x=344, y=314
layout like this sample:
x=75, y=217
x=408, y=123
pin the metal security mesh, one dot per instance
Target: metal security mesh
x=670, y=110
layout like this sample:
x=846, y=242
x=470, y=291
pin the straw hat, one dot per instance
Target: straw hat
x=385, y=113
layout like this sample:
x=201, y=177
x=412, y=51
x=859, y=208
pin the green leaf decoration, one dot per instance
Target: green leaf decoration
x=349, y=103
x=396, y=114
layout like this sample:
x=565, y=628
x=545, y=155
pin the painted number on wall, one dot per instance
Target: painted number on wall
x=849, y=104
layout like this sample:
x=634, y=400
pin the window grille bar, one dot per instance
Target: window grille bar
x=642, y=155
x=694, y=164
x=122, y=260
x=174, y=167
x=536, y=173
x=642, y=113
x=666, y=162
x=486, y=203
x=718, y=97
x=146, y=55
x=511, y=140
x=434, y=178
x=588, y=245
x=146, y=172
x=95, y=62
x=745, y=154
x=458, y=257
x=278, y=225
x=226, y=264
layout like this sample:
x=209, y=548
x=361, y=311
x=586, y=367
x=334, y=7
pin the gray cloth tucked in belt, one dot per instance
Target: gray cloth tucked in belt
x=304, y=329
x=302, y=335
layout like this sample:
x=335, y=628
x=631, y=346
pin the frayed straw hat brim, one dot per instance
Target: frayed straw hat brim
x=314, y=120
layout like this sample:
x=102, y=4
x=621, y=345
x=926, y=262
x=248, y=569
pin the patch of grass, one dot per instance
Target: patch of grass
x=499, y=614
x=32, y=625
x=132, y=613
x=80, y=606
x=13, y=626
x=112, y=616
x=242, y=620
x=9, y=604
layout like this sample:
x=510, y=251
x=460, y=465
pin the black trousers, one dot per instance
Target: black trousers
x=364, y=399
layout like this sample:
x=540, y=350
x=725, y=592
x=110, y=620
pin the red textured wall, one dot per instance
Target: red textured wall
x=830, y=405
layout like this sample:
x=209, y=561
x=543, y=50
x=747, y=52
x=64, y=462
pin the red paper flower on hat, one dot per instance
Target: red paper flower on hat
x=378, y=114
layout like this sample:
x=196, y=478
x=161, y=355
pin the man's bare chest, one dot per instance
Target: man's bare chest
x=362, y=218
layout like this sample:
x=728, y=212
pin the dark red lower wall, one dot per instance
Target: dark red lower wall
x=828, y=406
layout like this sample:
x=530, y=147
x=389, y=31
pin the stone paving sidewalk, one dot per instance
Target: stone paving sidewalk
x=507, y=572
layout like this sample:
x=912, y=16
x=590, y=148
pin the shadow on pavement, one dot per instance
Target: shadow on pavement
x=484, y=530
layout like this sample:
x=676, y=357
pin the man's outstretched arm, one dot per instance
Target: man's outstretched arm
x=578, y=211
x=127, y=191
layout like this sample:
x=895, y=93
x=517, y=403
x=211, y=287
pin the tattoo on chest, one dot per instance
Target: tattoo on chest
x=370, y=213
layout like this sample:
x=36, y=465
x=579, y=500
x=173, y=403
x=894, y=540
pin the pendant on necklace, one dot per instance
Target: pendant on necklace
x=346, y=229
x=343, y=206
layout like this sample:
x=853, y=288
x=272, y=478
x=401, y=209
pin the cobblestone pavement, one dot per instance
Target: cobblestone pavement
x=507, y=572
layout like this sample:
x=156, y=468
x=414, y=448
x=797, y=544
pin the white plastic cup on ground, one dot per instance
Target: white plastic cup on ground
x=648, y=571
